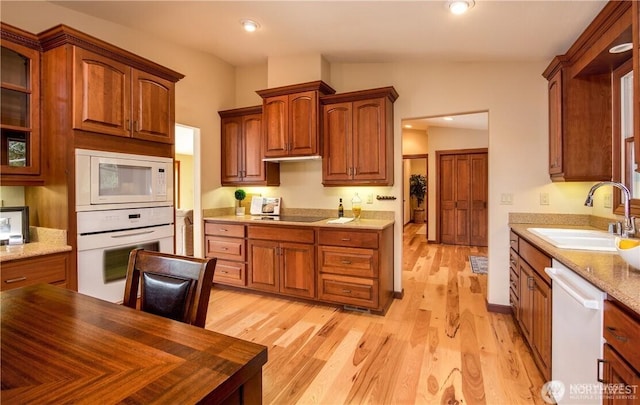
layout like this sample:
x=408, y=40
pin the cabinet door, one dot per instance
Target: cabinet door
x=297, y=275
x=619, y=374
x=336, y=161
x=101, y=94
x=50, y=269
x=527, y=285
x=541, y=327
x=253, y=166
x=276, y=122
x=153, y=107
x=231, y=146
x=478, y=215
x=555, y=124
x=303, y=124
x=264, y=262
x=369, y=140
x=20, y=115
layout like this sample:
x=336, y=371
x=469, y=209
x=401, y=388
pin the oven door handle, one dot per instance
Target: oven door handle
x=131, y=234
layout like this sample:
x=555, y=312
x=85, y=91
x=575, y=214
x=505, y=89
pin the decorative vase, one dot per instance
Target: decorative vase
x=240, y=211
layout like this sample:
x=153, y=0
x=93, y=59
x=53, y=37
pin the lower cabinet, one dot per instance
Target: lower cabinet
x=281, y=260
x=530, y=296
x=50, y=269
x=226, y=242
x=621, y=370
x=346, y=266
x=355, y=267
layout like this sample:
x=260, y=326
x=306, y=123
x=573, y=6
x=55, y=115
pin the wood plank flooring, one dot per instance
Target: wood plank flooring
x=438, y=345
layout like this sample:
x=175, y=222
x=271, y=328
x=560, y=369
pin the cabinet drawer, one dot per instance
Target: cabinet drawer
x=513, y=259
x=514, y=281
x=282, y=234
x=514, y=301
x=622, y=332
x=228, y=272
x=360, y=292
x=225, y=248
x=513, y=240
x=349, y=238
x=348, y=261
x=224, y=229
x=536, y=259
x=43, y=269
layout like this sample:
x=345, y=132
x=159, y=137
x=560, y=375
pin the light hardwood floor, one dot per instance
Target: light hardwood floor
x=438, y=345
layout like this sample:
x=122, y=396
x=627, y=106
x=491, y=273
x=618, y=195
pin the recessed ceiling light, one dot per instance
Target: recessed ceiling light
x=249, y=25
x=448, y=118
x=460, y=6
x=627, y=46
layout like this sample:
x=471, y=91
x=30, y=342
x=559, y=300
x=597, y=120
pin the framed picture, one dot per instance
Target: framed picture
x=14, y=221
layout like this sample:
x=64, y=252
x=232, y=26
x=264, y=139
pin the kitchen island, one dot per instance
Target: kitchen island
x=349, y=264
x=59, y=346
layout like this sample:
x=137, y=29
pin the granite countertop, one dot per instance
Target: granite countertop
x=606, y=270
x=45, y=241
x=362, y=223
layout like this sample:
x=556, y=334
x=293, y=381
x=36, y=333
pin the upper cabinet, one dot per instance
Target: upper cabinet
x=99, y=89
x=580, y=98
x=241, y=146
x=290, y=119
x=635, y=11
x=113, y=98
x=358, y=138
x=20, y=116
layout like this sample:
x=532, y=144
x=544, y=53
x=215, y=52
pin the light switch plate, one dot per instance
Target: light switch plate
x=608, y=200
x=544, y=198
x=506, y=199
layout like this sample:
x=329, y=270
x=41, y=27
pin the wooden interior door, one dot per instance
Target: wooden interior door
x=462, y=196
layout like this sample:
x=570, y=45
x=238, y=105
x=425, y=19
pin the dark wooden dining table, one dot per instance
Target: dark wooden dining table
x=59, y=346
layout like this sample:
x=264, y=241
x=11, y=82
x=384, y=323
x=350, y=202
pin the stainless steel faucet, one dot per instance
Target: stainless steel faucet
x=629, y=227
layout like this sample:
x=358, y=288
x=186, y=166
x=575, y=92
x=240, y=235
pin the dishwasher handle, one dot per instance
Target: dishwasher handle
x=575, y=291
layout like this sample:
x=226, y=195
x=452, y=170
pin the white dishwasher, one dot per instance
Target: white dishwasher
x=576, y=336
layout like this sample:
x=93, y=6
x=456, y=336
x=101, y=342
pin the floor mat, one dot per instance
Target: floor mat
x=478, y=264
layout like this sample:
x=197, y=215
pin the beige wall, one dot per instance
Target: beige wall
x=186, y=181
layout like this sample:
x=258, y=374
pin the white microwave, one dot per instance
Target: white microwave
x=107, y=180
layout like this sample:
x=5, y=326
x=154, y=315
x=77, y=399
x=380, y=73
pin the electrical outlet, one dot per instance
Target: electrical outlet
x=506, y=199
x=608, y=200
x=544, y=198
x=370, y=198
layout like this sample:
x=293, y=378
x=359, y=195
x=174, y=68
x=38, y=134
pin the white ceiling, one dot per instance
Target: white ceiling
x=477, y=121
x=358, y=31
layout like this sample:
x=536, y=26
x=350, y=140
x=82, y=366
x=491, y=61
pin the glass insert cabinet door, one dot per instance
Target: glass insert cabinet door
x=20, y=109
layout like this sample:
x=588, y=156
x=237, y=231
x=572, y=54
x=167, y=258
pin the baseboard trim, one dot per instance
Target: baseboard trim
x=501, y=309
x=398, y=294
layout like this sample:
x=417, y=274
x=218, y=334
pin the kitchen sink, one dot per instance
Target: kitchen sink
x=580, y=239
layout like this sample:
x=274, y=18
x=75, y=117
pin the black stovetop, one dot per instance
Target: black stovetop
x=290, y=218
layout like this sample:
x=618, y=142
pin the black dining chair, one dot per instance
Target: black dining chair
x=172, y=286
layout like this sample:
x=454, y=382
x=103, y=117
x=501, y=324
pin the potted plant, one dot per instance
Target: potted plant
x=240, y=195
x=418, y=189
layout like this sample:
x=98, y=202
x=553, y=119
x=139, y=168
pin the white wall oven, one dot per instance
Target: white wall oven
x=105, y=238
x=106, y=180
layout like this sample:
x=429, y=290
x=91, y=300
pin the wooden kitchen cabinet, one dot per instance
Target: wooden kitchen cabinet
x=282, y=260
x=50, y=269
x=227, y=243
x=241, y=146
x=291, y=126
x=530, y=294
x=621, y=331
x=110, y=97
x=358, y=137
x=635, y=24
x=580, y=98
x=20, y=115
x=355, y=267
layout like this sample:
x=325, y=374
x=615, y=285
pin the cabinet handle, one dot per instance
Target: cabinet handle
x=513, y=262
x=137, y=125
x=355, y=171
x=346, y=262
x=346, y=291
x=224, y=248
x=223, y=230
x=615, y=335
x=15, y=280
x=530, y=283
x=600, y=361
x=345, y=239
x=224, y=272
x=350, y=171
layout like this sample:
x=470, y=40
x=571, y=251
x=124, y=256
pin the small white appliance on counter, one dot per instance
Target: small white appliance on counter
x=576, y=342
